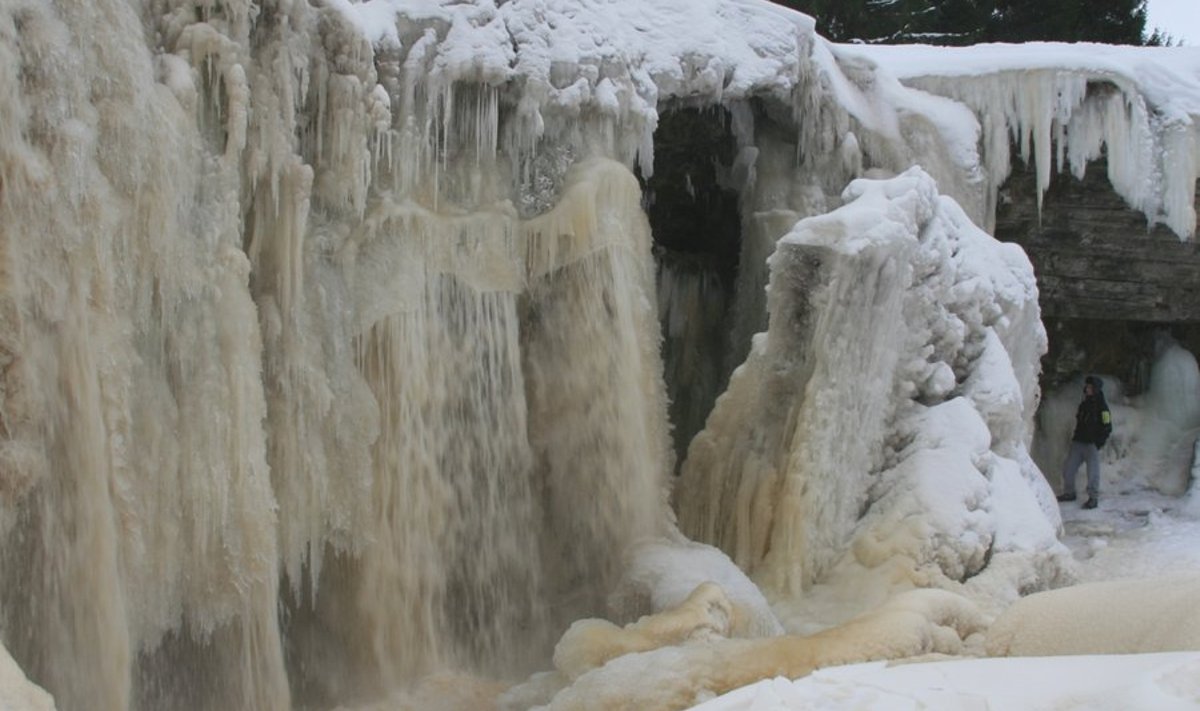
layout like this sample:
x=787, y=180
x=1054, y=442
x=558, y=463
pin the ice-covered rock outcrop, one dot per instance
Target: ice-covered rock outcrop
x=883, y=420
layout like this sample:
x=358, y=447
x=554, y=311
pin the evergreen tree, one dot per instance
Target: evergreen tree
x=957, y=22
x=1107, y=21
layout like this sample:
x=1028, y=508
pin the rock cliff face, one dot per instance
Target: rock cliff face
x=1095, y=256
x=1108, y=280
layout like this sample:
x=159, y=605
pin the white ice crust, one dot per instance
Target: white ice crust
x=17, y=693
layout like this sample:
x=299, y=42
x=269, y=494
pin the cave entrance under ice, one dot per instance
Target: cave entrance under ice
x=694, y=216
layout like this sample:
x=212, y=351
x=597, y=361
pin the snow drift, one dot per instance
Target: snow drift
x=1145, y=681
x=1117, y=617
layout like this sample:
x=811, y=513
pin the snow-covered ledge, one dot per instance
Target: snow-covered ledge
x=1065, y=105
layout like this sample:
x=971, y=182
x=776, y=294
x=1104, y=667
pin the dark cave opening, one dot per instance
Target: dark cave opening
x=1122, y=349
x=696, y=221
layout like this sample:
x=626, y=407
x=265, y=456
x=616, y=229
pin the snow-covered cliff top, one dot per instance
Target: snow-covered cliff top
x=1169, y=77
x=670, y=47
x=623, y=60
x=731, y=47
x=1050, y=99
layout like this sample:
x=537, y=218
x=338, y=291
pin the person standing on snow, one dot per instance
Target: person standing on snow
x=1093, y=425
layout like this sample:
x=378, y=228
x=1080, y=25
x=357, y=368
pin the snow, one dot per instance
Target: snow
x=625, y=61
x=1100, y=645
x=619, y=61
x=673, y=677
x=662, y=574
x=1141, y=534
x=1126, y=616
x=1157, y=681
x=17, y=693
x=749, y=44
x=1168, y=76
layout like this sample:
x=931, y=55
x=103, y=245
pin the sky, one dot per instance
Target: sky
x=1178, y=18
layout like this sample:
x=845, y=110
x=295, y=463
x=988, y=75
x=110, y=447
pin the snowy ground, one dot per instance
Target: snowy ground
x=1131, y=536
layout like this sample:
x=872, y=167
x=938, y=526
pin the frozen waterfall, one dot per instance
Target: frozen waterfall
x=330, y=360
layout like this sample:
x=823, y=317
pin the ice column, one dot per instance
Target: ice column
x=598, y=425
x=774, y=480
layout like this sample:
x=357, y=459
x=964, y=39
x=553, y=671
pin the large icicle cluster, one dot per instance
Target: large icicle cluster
x=327, y=344
x=1063, y=107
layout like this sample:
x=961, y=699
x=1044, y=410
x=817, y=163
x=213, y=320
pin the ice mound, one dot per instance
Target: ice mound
x=882, y=421
x=662, y=573
x=676, y=672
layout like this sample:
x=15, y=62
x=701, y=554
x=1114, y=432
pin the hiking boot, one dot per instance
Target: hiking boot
x=1066, y=497
x=1091, y=503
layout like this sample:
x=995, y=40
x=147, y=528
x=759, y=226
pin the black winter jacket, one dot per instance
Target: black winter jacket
x=1093, y=421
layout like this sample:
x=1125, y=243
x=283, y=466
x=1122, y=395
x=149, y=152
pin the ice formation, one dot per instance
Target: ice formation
x=668, y=675
x=1065, y=107
x=329, y=348
x=896, y=313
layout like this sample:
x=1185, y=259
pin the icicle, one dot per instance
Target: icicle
x=1089, y=117
x=1181, y=167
